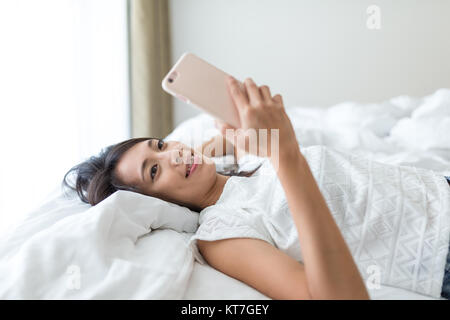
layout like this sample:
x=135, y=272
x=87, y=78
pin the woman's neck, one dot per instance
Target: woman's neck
x=215, y=192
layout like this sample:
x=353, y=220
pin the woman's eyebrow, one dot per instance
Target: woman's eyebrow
x=144, y=164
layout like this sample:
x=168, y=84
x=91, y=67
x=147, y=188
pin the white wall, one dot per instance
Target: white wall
x=318, y=52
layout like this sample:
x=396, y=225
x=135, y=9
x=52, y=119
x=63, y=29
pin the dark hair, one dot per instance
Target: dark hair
x=95, y=178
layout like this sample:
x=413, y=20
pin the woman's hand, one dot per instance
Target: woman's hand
x=217, y=146
x=259, y=110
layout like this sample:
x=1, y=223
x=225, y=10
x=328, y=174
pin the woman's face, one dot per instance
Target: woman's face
x=158, y=168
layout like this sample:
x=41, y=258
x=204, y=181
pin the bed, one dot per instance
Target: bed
x=134, y=247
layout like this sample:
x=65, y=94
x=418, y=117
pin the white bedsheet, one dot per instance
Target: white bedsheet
x=108, y=251
x=208, y=283
x=75, y=251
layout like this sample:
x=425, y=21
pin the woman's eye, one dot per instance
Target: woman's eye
x=153, y=171
x=160, y=144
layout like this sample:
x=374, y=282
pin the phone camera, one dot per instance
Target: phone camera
x=172, y=76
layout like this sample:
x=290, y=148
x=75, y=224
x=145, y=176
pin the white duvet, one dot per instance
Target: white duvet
x=69, y=250
x=115, y=250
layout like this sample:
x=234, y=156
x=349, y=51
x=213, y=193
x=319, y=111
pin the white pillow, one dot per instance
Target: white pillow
x=428, y=128
x=152, y=212
x=194, y=131
x=155, y=213
x=107, y=251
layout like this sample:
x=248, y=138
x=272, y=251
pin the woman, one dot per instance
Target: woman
x=241, y=246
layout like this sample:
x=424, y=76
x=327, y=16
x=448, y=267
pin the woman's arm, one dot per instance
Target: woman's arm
x=258, y=264
x=330, y=270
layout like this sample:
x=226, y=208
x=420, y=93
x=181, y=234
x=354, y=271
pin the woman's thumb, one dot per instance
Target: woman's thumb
x=278, y=98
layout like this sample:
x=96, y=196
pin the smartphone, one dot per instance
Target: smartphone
x=199, y=83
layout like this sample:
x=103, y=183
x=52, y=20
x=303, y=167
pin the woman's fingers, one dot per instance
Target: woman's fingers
x=278, y=99
x=237, y=94
x=253, y=92
x=218, y=123
x=265, y=92
x=222, y=126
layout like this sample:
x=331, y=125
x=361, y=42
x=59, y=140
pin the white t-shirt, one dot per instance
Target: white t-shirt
x=395, y=219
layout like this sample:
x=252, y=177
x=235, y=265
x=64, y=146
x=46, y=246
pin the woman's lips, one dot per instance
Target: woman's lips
x=194, y=165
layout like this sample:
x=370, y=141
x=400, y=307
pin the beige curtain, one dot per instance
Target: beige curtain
x=151, y=106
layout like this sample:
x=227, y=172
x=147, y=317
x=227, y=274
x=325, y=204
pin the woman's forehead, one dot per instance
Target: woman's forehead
x=128, y=167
